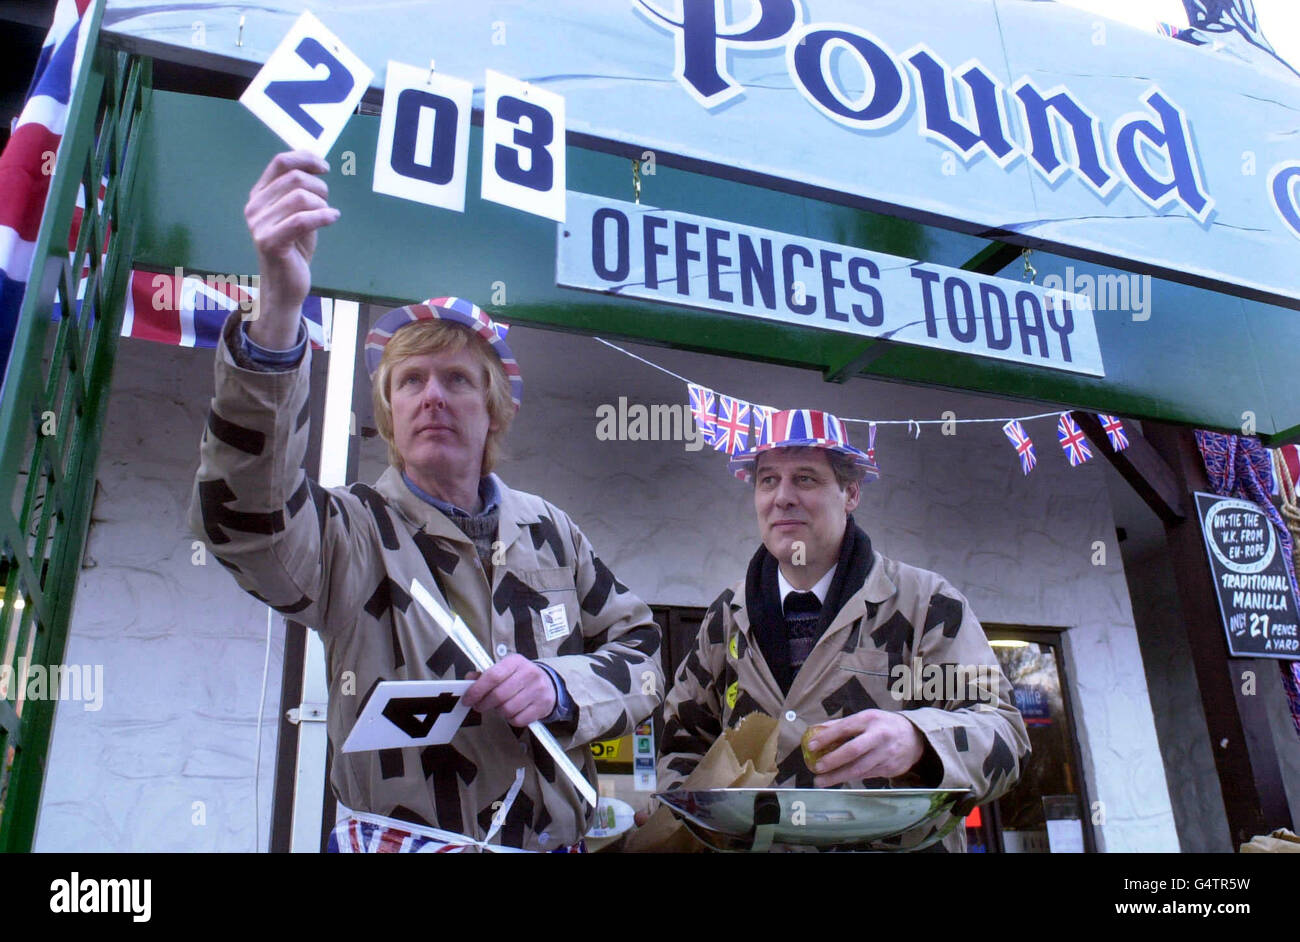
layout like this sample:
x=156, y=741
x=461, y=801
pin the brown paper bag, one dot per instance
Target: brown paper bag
x=742, y=757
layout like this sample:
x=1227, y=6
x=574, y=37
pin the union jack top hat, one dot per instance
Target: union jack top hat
x=803, y=428
x=456, y=310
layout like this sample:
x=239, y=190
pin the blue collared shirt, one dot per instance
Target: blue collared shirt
x=488, y=495
x=277, y=359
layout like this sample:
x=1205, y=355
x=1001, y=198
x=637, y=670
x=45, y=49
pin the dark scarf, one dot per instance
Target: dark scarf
x=763, y=598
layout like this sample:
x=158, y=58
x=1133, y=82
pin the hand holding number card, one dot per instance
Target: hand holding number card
x=523, y=146
x=309, y=87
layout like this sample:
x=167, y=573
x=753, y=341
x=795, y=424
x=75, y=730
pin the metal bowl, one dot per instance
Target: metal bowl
x=740, y=819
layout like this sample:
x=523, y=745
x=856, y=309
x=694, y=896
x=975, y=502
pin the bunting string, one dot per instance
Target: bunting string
x=908, y=422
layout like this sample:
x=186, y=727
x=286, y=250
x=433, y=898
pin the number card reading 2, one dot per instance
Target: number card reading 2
x=523, y=146
x=423, y=148
x=404, y=713
x=309, y=87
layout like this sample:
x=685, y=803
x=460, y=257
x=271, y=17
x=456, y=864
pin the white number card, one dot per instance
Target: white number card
x=523, y=146
x=423, y=148
x=309, y=87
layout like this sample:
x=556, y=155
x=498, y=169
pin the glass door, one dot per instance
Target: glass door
x=1047, y=811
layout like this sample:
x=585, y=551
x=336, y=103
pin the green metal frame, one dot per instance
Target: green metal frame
x=52, y=408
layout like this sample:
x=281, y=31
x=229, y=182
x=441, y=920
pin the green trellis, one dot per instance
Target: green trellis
x=53, y=403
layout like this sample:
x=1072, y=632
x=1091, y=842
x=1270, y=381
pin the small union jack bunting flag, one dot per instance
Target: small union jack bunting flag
x=1072, y=440
x=762, y=416
x=704, y=409
x=1024, y=447
x=732, y=425
x=1114, y=429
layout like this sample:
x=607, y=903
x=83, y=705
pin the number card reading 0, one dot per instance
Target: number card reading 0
x=309, y=87
x=403, y=713
x=423, y=148
x=523, y=146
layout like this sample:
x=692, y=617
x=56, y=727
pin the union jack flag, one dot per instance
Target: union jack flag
x=762, y=424
x=732, y=425
x=1024, y=447
x=1072, y=440
x=1114, y=429
x=27, y=163
x=190, y=310
x=704, y=409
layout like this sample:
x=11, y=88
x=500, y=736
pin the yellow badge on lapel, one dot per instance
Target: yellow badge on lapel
x=731, y=647
x=732, y=693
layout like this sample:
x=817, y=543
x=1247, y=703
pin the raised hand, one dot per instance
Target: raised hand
x=285, y=208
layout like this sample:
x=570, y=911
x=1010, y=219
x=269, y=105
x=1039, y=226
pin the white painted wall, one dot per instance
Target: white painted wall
x=182, y=646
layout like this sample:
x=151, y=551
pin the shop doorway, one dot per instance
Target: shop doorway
x=1048, y=809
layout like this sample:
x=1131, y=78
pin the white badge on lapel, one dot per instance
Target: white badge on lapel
x=555, y=622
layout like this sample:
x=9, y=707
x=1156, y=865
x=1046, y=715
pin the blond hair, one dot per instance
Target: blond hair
x=440, y=336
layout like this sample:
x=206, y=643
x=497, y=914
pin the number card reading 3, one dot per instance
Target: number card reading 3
x=523, y=146
x=423, y=148
x=309, y=87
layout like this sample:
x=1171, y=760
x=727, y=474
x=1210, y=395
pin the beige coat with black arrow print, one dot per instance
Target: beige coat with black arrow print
x=341, y=560
x=901, y=613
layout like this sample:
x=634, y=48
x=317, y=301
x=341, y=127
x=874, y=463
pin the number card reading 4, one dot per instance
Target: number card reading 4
x=523, y=146
x=423, y=148
x=309, y=87
x=403, y=713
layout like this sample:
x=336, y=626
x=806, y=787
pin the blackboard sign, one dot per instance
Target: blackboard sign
x=1250, y=578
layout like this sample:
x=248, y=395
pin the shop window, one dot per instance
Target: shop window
x=1047, y=811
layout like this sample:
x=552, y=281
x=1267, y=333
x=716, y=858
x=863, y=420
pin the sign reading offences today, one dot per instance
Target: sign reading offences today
x=637, y=251
x=1250, y=578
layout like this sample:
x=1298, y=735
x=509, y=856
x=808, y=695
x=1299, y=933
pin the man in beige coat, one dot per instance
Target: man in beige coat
x=826, y=632
x=573, y=648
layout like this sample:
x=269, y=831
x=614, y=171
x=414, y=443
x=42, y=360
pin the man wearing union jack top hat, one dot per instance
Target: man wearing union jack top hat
x=571, y=646
x=885, y=663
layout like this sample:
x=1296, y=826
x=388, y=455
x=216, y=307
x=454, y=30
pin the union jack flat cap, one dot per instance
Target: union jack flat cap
x=457, y=310
x=802, y=428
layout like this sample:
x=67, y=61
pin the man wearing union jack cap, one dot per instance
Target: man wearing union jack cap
x=572, y=647
x=826, y=634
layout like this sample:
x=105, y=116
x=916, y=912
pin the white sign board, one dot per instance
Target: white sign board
x=638, y=251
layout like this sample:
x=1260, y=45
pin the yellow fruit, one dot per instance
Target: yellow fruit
x=811, y=758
